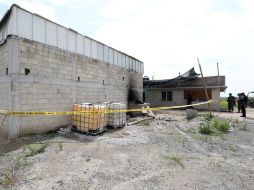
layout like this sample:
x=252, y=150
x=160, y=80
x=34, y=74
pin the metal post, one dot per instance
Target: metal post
x=204, y=83
x=218, y=71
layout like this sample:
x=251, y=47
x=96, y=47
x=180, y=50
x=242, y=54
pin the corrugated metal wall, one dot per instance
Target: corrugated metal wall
x=31, y=26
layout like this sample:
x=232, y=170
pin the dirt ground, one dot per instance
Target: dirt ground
x=167, y=152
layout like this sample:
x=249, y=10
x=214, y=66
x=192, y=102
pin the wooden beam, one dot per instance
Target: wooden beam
x=204, y=83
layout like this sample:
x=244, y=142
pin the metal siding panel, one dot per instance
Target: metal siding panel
x=127, y=60
x=39, y=29
x=131, y=64
x=5, y=31
x=123, y=61
x=115, y=57
x=105, y=54
x=111, y=56
x=24, y=24
x=119, y=58
x=1, y=34
x=62, y=37
x=12, y=22
x=80, y=44
x=94, y=50
x=87, y=47
x=51, y=33
x=71, y=41
x=100, y=51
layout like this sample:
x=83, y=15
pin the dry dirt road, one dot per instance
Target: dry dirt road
x=166, y=153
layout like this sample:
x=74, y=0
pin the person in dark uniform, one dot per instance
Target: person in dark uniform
x=189, y=101
x=238, y=103
x=243, y=104
x=231, y=102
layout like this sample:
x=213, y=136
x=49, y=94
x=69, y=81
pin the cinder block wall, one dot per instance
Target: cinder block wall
x=5, y=85
x=57, y=79
x=153, y=96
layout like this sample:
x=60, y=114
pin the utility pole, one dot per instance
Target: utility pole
x=218, y=71
x=204, y=83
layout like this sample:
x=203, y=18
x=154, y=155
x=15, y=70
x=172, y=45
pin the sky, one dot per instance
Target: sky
x=167, y=35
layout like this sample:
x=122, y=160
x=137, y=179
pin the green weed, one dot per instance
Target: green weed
x=232, y=148
x=60, y=147
x=243, y=126
x=220, y=125
x=223, y=103
x=177, y=160
x=32, y=151
x=199, y=137
x=208, y=116
x=206, y=129
x=20, y=161
x=9, y=178
x=2, y=152
x=214, y=127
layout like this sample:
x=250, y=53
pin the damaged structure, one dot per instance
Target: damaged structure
x=172, y=92
x=47, y=67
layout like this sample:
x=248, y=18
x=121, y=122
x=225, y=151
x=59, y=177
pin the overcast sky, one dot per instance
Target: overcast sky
x=167, y=35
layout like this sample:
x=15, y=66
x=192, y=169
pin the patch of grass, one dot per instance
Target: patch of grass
x=206, y=129
x=236, y=121
x=220, y=125
x=243, y=126
x=9, y=178
x=232, y=148
x=223, y=103
x=191, y=130
x=32, y=151
x=144, y=123
x=60, y=147
x=215, y=127
x=207, y=116
x=178, y=139
x=2, y=152
x=177, y=160
x=20, y=161
x=199, y=137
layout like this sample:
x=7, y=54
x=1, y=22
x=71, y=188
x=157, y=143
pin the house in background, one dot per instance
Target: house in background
x=172, y=92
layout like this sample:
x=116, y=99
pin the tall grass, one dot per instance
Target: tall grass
x=223, y=102
x=215, y=127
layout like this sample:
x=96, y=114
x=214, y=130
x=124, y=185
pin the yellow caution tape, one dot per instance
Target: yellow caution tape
x=22, y=113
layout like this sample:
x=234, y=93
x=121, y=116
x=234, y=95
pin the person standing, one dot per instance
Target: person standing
x=189, y=101
x=231, y=102
x=243, y=104
x=238, y=103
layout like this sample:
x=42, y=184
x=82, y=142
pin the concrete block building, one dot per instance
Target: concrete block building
x=173, y=92
x=47, y=67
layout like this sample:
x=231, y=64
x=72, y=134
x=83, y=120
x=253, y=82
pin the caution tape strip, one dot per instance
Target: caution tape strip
x=22, y=113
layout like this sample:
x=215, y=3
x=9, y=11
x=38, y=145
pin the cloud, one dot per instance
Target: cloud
x=169, y=35
x=40, y=7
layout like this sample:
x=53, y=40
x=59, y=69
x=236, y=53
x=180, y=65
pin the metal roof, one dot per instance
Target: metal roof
x=20, y=22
